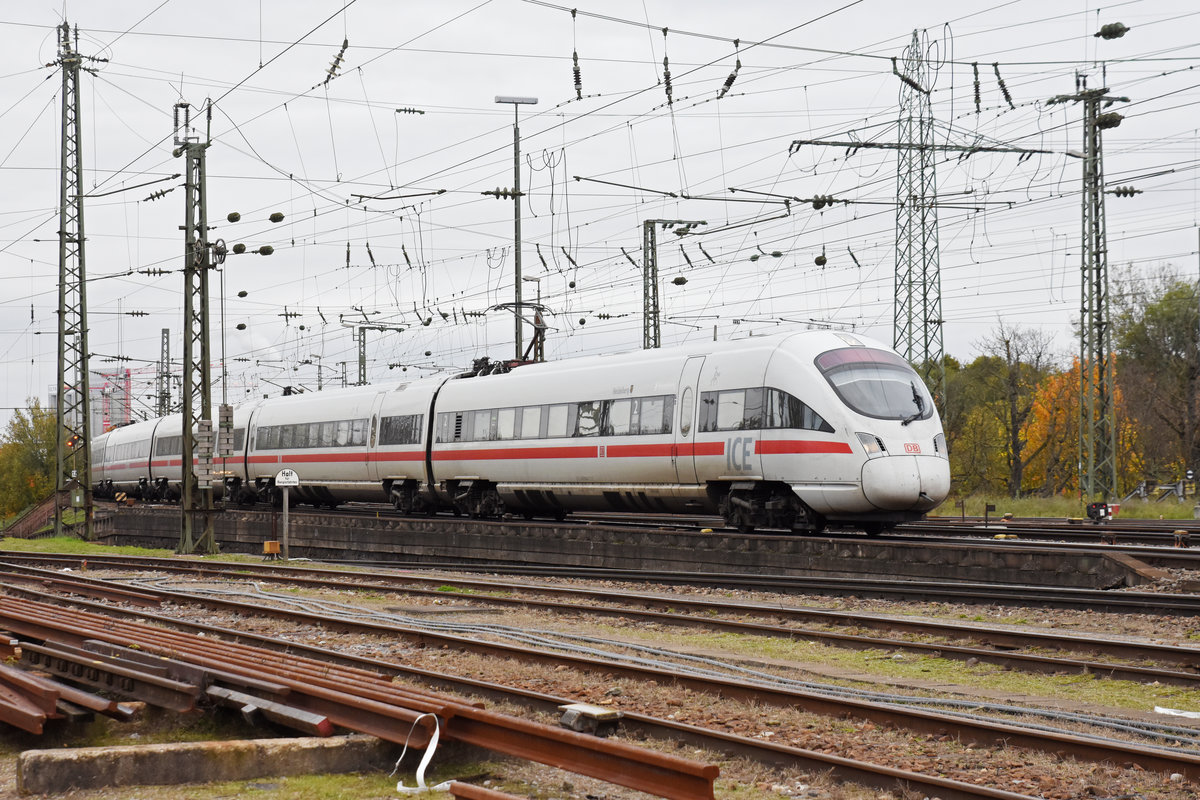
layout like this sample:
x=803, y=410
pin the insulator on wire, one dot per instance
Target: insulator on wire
x=729, y=81
x=737, y=65
x=1125, y=191
x=667, y=71
x=667, y=81
x=975, y=69
x=578, y=75
x=336, y=64
x=706, y=255
x=1003, y=88
x=407, y=260
x=630, y=259
x=347, y=255
x=370, y=255
x=685, y=257
x=568, y=257
x=541, y=257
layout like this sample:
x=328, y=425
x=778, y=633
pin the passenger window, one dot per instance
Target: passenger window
x=619, y=413
x=483, y=430
x=327, y=433
x=531, y=422
x=588, y=419
x=506, y=423
x=708, y=412
x=651, y=416
x=358, y=433
x=730, y=410
x=557, y=426
x=753, y=418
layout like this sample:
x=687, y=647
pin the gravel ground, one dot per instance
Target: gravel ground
x=1011, y=769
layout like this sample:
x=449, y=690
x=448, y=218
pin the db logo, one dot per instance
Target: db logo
x=912, y=447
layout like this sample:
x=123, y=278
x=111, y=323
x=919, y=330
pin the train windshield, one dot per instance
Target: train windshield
x=876, y=383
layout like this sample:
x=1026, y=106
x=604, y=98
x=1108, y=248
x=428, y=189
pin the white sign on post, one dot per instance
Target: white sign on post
x=284, y=479
x=287, y=477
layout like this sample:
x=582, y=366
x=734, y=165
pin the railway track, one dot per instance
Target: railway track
x=986, y=593
x=1169, y=760
x=993, y=645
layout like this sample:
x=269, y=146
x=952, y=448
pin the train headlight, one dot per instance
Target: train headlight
x=939, y=445
x=872, y=444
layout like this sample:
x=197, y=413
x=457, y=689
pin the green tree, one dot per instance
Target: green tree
x=27, y=458
x=1018, y=360
x=1158, y=368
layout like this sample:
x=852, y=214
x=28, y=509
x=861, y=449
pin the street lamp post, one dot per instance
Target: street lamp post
x=517, y=102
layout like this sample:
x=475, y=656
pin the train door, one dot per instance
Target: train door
x=686, y=398
x=373, y=470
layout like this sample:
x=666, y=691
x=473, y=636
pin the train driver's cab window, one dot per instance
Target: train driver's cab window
x=876, y=383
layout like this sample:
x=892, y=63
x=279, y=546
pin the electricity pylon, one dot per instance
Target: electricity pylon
x=918, y=318
x=73, y=438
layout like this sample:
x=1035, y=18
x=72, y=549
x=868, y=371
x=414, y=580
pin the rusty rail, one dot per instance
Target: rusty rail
x=357, y=699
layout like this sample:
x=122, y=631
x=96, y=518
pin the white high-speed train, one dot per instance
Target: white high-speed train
x=795, y=431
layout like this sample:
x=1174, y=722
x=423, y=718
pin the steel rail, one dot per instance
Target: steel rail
x=927, y=722
x=962, y=592
x=844, y=769
x=1188, y=657
x=366, y=701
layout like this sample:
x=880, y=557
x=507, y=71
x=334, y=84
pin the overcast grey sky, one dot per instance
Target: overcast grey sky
x=285, y=140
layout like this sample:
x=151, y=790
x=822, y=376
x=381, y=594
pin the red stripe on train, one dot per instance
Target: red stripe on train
x=515, y=452
x=780, y=447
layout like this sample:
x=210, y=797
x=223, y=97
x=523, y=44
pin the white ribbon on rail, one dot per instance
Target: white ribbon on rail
x=433, y=743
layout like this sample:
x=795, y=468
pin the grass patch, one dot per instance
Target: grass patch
x=74, y=546
x=888, y=666
x=1059, y=507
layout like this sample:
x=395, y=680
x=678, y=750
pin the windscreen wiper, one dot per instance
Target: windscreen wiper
x=918, y=402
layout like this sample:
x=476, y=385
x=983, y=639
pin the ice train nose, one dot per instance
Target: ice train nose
x=906, y=482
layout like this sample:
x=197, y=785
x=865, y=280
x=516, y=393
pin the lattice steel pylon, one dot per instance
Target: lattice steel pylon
x=73, y=439
x=198, y=504
x=918, y=309
x=1097, y=368
x=162, y=376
